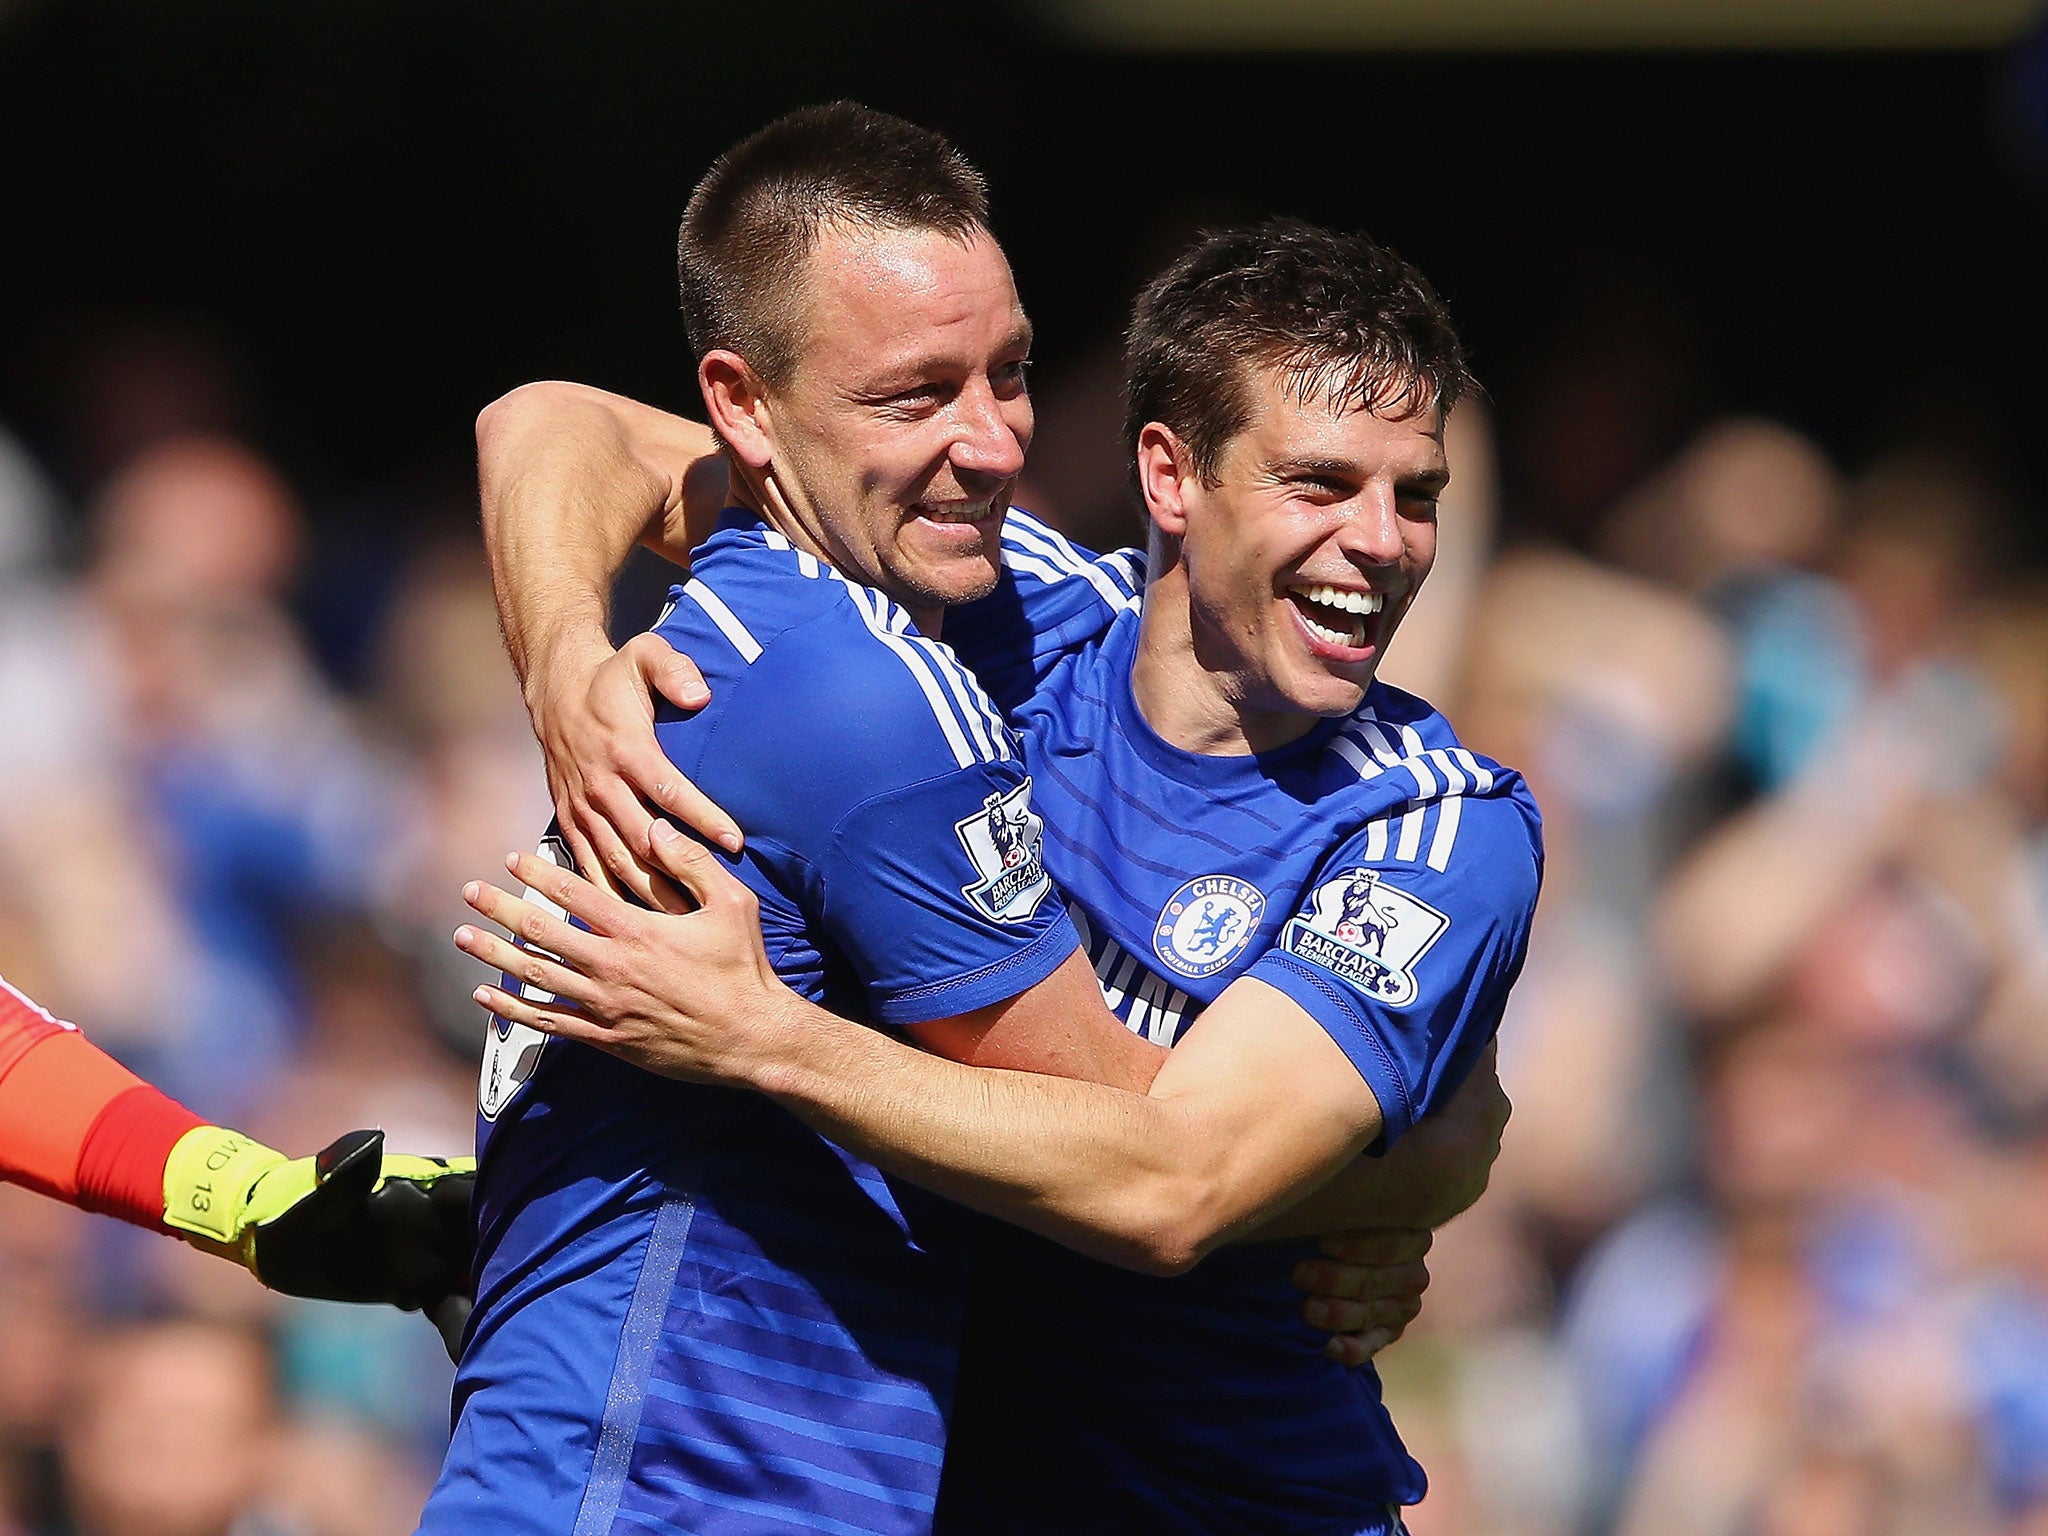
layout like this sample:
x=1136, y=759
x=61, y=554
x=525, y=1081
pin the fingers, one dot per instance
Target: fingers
x=578, y=897
x=611, y=858
x=1328, y=1279
x=647, y=774
x=1355, y=1349
x=571, y=816
x=617, y=822
x=1377, y=1245
x=549, y=1019
x=693, y=866
x=688, y=804
x=526, y=920
x=1390, y=1313
x=673, y=674
x=530, y=966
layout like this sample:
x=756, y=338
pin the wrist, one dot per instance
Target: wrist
x=208, y=1181
x=785, y=1064
x=558, y=663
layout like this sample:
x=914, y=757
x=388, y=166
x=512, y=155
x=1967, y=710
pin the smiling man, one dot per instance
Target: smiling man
x=694, y=1313
x=1256, y=839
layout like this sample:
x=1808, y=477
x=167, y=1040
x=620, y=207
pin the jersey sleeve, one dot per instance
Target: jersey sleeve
x=1053, y=598
x=938, y=897
x=1408, y=967
x=887, y=802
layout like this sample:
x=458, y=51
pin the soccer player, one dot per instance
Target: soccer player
x=694, y=1314
x=352, y=1224
x=1330, y=482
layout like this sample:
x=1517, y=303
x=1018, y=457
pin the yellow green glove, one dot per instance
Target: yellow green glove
x=352, y=1223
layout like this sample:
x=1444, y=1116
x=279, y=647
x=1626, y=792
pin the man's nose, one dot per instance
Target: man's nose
x=1372, y=533
x=993, y=434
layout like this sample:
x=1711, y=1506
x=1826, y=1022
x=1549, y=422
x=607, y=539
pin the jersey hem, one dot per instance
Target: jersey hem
x=1364, y=1049
x=993, y=983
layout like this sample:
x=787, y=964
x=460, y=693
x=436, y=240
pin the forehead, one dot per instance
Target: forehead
x=883, y=299
x=1285, y=425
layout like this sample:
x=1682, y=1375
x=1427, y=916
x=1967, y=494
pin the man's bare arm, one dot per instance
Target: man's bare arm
x=1439, y=1169
x=569, y=479
x=1249, y=1113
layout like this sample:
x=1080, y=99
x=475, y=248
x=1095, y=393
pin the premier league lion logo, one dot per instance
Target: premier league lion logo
x=1367, y=932
x=1360, y=920
x=1009, y=829
x=1002, y=840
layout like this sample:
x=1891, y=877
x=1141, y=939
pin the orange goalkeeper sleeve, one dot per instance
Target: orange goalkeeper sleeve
x=77, y=1125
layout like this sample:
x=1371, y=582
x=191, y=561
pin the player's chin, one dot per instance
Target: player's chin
x=959, y=575
x=1326, y=689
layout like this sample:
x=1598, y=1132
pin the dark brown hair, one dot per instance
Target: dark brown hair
x=1340, y=316
x=755, y=219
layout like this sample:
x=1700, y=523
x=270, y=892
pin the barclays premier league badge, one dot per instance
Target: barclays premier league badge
x=1367, y=933
x=1003, y=840
x=1207, y=925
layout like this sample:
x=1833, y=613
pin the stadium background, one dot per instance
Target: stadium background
x=1744, y=565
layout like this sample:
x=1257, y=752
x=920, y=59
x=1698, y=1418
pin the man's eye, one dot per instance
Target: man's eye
x=1016, y=375
x=918, y=397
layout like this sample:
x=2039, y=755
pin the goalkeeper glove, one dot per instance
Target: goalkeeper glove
x=353, y=1223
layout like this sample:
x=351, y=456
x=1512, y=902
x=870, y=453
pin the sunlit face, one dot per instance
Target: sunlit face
x=899, y=437
x=1303, y=559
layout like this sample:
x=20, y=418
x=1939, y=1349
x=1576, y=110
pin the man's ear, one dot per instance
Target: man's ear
x=1166, y=474
x=737, y=403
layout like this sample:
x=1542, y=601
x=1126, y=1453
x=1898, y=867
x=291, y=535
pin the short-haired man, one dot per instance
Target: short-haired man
x=1246, y=826
x=694, y=1313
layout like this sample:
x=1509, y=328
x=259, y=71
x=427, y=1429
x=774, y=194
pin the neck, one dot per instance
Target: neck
x=1187, y=693
x=775, y=511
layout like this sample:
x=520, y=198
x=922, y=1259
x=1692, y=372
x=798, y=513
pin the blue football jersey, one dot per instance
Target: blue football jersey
x=1375, y=871
x=693, y=1314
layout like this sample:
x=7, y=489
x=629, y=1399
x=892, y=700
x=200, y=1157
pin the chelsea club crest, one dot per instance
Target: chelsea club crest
x=1207, y=924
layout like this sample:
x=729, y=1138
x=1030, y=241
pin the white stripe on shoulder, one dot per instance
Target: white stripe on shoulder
x=1369, y=745
x=1482, y=776
x=987, y=725
x=1354, y=754
x=1026, y=537
x=1376, y=839
x=1375, y=734
x=727, y=621
x=1026, y=564
x=1447, y=813
x=1127, y=563
x=806, y=562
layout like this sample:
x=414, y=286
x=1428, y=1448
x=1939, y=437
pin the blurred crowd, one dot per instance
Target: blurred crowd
x=1765, y=1253
x=240, y=878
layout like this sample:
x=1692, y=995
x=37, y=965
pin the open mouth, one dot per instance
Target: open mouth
x=1336, y=615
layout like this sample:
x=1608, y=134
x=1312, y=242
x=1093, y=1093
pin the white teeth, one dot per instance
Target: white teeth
x=1341, y=600
x=1355, y=638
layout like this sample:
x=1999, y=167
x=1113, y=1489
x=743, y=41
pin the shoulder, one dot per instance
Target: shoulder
x=1455, y=815
x=833, y=680
x=1477, y=889
x=1037, y=555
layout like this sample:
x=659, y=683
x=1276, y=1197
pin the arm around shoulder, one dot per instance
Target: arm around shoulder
x=569, y=479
